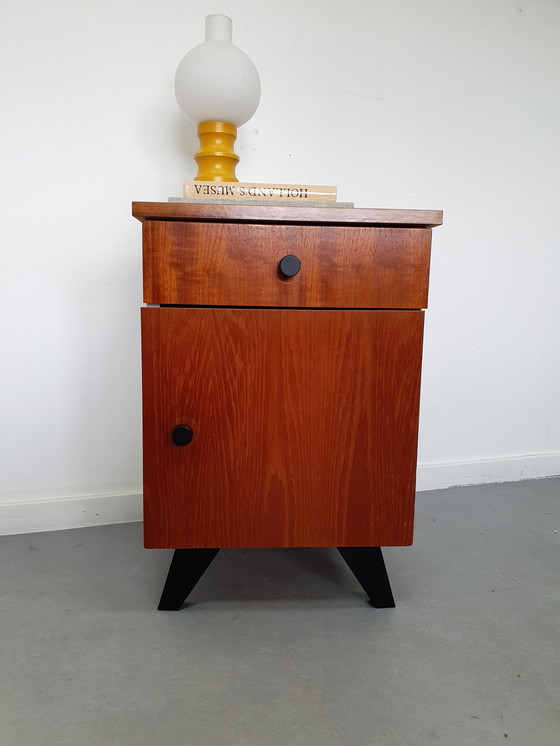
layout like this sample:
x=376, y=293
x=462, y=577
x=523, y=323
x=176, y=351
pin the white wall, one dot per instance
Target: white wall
x=440, y=104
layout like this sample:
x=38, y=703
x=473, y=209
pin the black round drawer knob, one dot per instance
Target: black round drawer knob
x=290, y=265
x=182, y=435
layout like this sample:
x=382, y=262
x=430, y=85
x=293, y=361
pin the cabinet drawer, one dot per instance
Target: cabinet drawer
x=216, y=264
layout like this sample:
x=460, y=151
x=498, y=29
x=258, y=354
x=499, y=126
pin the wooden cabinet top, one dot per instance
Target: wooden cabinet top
x=209, y=212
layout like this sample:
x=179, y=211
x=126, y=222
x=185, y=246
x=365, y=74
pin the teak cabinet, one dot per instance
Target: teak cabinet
x=281, y=353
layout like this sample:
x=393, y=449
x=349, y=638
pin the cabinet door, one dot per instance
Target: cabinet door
x=304, y=421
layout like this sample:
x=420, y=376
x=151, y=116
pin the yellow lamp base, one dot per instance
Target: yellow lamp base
x=216, y=159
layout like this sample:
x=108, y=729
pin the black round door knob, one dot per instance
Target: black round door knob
x=182, y=435
x=290, y=265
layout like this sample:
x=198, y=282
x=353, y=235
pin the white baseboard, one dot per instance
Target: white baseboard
x=52, y=514
x=487, y=471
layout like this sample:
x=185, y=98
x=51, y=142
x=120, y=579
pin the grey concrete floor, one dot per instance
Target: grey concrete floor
x=279, y=647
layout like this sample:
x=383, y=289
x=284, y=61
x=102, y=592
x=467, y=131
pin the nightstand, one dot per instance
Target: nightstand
x=281, y=354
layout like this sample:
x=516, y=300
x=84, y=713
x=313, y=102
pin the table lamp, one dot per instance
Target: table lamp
x=218, y=87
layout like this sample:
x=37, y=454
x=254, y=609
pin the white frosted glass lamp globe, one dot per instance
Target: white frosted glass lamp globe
x=216, y=80
x=218, y=87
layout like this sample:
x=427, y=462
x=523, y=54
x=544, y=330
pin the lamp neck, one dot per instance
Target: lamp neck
x=218, y=28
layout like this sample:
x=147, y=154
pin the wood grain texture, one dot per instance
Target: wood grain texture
x=305, y=426
x=288, y=214
x=237, y=265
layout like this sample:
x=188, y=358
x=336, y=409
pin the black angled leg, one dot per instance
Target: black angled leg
x=369, y=568
x=186, y=569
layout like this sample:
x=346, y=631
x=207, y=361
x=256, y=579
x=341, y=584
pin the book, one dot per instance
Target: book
x=238, y=190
